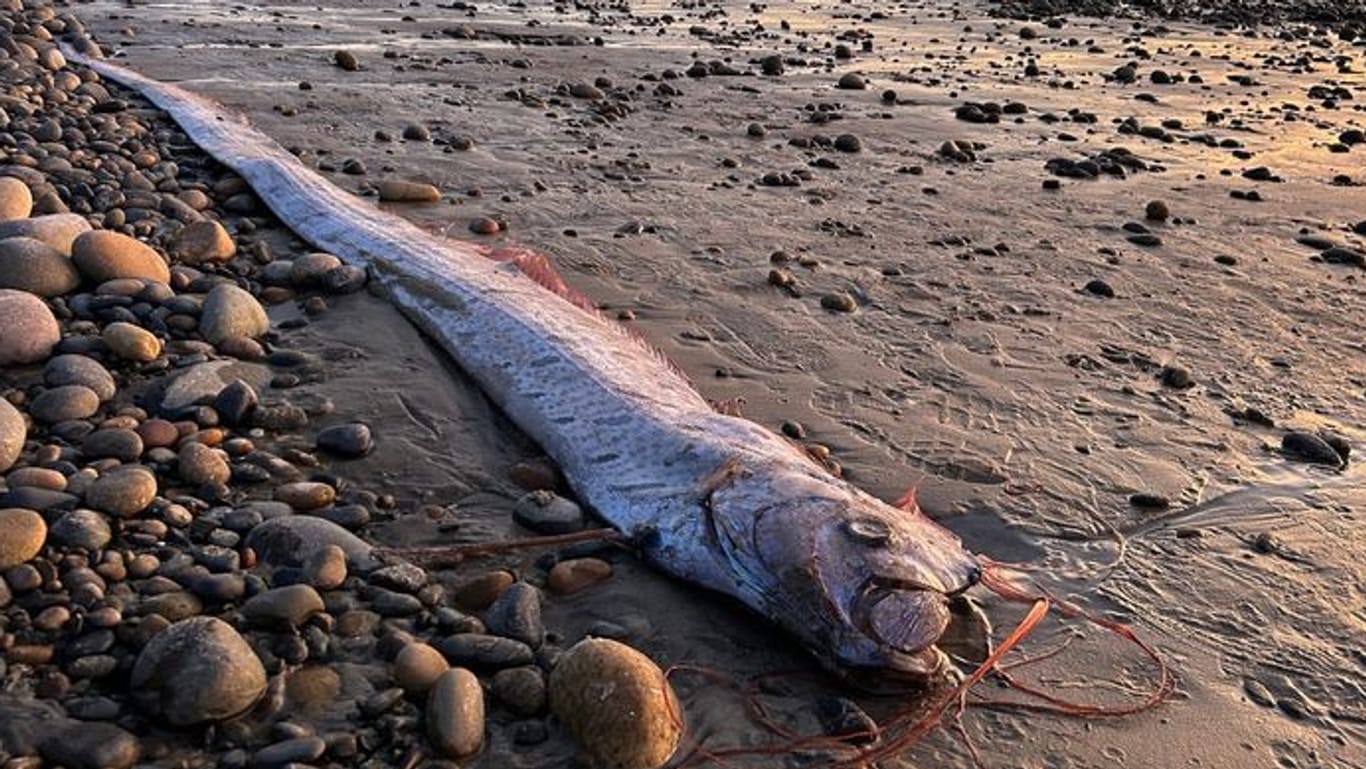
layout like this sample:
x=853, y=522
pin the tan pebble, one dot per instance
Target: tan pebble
x=123, y=492
x=618, y=705
x=455, y=714
x=199, y=464
x=394, y=191
x=30, y=654
x=22, y=535
x=103, y=255
x=417, y=667
x=16, y=200
x=131, y=342
x=30, y=329
x=203, y=241
x=37, y=478
x=326, y=568
x=13, y=432
x=158, y=433
x=577, y=574
x=306, y=495
x=480, y=592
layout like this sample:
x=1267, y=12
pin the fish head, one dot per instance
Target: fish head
x=864, y=585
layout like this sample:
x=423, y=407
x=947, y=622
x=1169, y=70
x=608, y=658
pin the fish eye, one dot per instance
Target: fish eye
x=869, y=531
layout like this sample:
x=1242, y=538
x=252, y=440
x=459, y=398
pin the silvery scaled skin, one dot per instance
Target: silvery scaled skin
x=710, y=498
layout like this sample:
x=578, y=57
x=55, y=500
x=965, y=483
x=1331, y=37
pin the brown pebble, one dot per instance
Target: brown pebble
x=486, y=226
x=480, y=592
x=571, y=576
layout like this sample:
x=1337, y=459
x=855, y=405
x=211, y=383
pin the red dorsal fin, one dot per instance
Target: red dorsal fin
x=536, y=266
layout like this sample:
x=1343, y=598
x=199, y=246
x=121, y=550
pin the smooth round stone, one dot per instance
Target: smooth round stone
x=325, y=569
x=80, y=370
x=230, y=312
x=300, y=750
x=199, y=464
x=455, y=714
x=123, y=491
x=22, y=534
x=485, y=652
x=60, y=404
x=131, y=342
x=174, y=606
x=203, y=241
x=16, y=199
x=417, y=667
x=197, y=670
x=521, y=689
x=13, y=431
x=117, y=443
x=617, y=704
x=306, y=495
x=30, y=330
x=85, y=529
x=546, y=512
x=309, y=269
x=36, y=477
x=478, y=593
x=158, y=433
x=94, y=745
x=57, y=230
x=103, y=255
x=397, y=191
x=517, y=615
x=350, y=440
x=288, y=606
x=34, y=266
x=236, y=402
x=571, y=576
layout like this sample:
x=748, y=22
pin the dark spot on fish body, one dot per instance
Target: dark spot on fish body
x=564, y=420
x=602, y=459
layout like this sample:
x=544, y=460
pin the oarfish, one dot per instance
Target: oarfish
x=709, y=498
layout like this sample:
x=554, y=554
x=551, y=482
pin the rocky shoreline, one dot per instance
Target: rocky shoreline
x=185, y=571
x=1347, y=19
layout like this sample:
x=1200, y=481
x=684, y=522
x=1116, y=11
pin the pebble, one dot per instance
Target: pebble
x=1157, y=211
x=310, y=269
x=34, y=266
x=417, y=667
x=306, y=495
x=517, y=615
x=486, y=226
x=838, y=301
x=91, y=746
x=103, y=255
x=16, y=200
x=196, y=671
x=546, y=512
x=13, y=431
x=203, y=383
x=455, y=714
x=57, y=230
x=325, y=569
x=394, y=191
x=22, y=534
x=576, y=574
x=299, y=750
x=83, y=529
x=80, y=370
x=1100, y=288
x=60, y=404
x=116, y=442
x=231, y=312
x=617, y=704
x=31, y=331
x=480, y=592
x=123, y=492
x=1177, y=377
x=131, y=343
x=485, y=652
x=283, y=607
x=346, y=60
x=1311, y=448
x=521, y=689
x=203, y=242
x=851, y=82
x=199, y=465
x=349, y=441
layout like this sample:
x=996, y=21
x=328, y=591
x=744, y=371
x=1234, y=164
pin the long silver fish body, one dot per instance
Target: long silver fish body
x=712, y=499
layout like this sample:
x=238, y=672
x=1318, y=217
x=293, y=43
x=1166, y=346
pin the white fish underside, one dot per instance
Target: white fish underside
x=634, y=439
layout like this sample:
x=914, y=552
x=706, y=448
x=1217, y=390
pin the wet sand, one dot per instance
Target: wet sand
x=976, y=367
